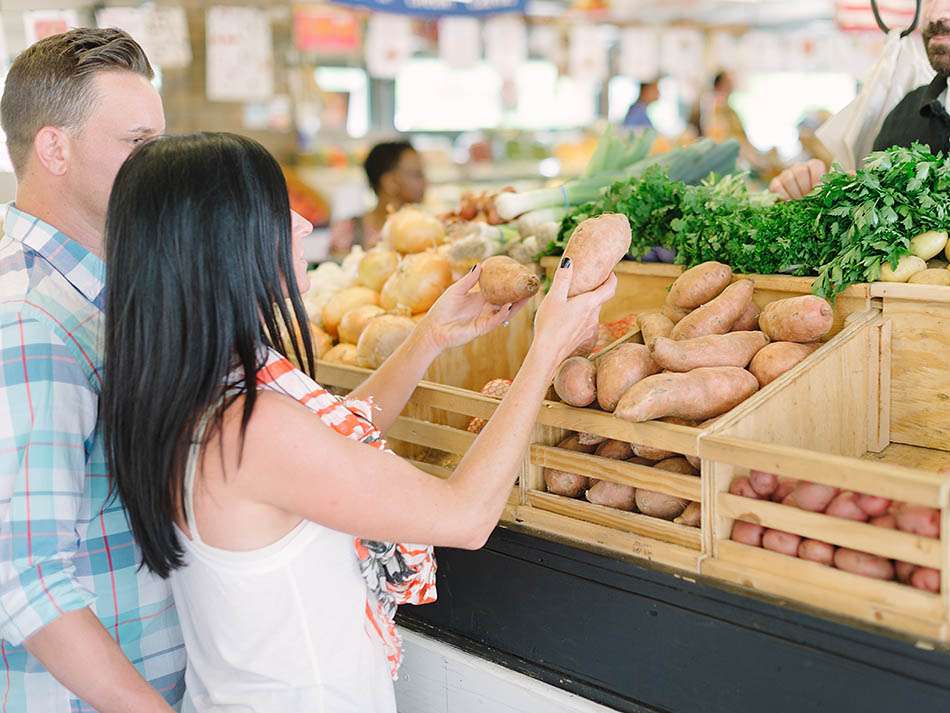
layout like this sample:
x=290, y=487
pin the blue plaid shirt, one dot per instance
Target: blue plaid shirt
x=64, y=543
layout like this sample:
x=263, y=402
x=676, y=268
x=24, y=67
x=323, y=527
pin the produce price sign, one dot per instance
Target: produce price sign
x=436, y=8
x=326, y=30
x=40, y=24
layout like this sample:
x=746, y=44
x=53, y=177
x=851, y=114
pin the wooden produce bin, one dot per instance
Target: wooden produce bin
x=841, y=420
x=641, y=288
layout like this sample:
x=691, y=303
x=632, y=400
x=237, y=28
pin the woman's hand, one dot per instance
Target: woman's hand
x=460, y=315
x=563, y=323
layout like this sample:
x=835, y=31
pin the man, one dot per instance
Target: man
x=397, y=176
x=923, y=116
x=637, y=116
x=82, y=627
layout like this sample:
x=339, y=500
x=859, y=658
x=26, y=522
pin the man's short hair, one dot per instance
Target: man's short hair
x=382, y=159
x=50, y=83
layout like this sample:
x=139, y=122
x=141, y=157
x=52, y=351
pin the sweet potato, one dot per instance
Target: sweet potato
x=747, y=533
x=917, y=519
x=674, y=314
x=926, y=578
x=506, y=281
x=496, y=388
x=589, y=439
x=783, y=489
x=660, y=505
x=699, y=285
x=764, y=484
x=692, y=516
x=717, y=316
x=801, y=319
x=733, y=349
x=743, y=488
x=595, y=248
x=845, y=505
x=785, y=543
x=652, y=454
x=887, y=521
x=676, y=464
x=559, y=482
x=904, y=571
x=612, y=495
x=813, y=497
x=653, y=325
x=749, y=320
x=817, y=551
x=620, y=369
x=776, y=358
x=615, y=450
x=576, y=382
x=873, y=505
x=700, y=394
x=863, y=563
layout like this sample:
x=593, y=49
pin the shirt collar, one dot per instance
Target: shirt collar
x=84, y=270
x=930, y=102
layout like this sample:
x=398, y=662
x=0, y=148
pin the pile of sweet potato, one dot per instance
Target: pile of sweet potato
x=818, y=498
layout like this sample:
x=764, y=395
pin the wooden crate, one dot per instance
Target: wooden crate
x=828, y=422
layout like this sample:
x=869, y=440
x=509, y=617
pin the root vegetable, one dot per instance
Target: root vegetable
x=845, y=506
x=417, y=283
x=506, y=281
x=784, y=489
x=700, y=394
x=674, y=314
x=907, y=267
x=496, y=388
x=692, y=516
x=620, y=369
x=660, y=505
x=355, y=321
x=569, y=485
x=926, y=578
x=612, y=495
x=802, y=319
x=344, y=301
x=743, y=488
x=764, y=484
x=873, y=505
x=411, y=230
x=589, y=439
x=676, y=464
x=863, y=563
x=749, y=320
x=888, y=522
x=376, y=267
x=747, y=533
x=576, y=382
x=918, y=520
x=931, y=277
x=784, y=543
x=776, y=358
x=733, y=349
x=653, y=325
x=904, y=571
x=817, y=551
x=652, y=454
x=615, y=450
x=813, y=497
x=381, y=337
x=342, y=354
x=322, y=342
x=717, y=316
x=595, y=248
x=699, y=285
x=928, y=245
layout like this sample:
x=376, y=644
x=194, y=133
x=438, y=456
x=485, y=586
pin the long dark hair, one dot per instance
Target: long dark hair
x=198, y=249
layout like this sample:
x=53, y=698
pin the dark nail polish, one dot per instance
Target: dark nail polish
x=510, y=307
x=473, y=268
x=566, y=262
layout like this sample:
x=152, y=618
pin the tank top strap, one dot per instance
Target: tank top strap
x=191, y=468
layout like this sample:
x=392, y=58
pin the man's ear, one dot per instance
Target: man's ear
x=51, y=150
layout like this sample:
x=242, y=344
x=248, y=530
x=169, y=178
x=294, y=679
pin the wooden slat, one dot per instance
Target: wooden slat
x=618, y=519
x=888, y=481
x=345, y=377
x=454, y=400
x=613, y=542
x=891, y=544
x=878, y=441
x=850, y=597
x=925, y=294
x=431, y=435
x=618, y=471
x=436, y=470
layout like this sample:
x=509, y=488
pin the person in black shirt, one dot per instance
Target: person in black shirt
x=923, y=116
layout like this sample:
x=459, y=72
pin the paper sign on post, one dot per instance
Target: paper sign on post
x=40, y=24
x=460, y=42
x=388, y=44
x=240, y=54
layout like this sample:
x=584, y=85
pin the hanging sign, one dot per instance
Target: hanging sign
x=40, y=24
x=436, y=8
x=460, y=44
x=326, y=30
x=161, y=31
x=640, y=53
x=388, y=44
x=588, y=54
x=857, y=15
x=240, y=54
x=506, y=44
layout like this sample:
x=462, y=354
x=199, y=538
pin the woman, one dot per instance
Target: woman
x=252, y=505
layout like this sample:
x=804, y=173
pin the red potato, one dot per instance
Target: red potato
x=654, y=325
x=660, y=505
x=784, y=489
x=776, y=358
x=699, y=285
x=904, y=571
x=863, y=563
x=813, y=497
x=692, y=516
x=802, y=319
x=717, y=316
x=697, y=395
x=926, y=578
x=743, y=488
x=620, y=369
x=595, y=247
x=764, y=484
x=747, y=533
x=576, y=382
x=749, y=320
x=674, y=314
x=817, y=551
x=612, y=495
x=845, y=505
x=615, y=450
x=917, y=519
x=873, y=505
x=887, y=521
x=559, y=482
x=733, y=349
x=784, y=543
